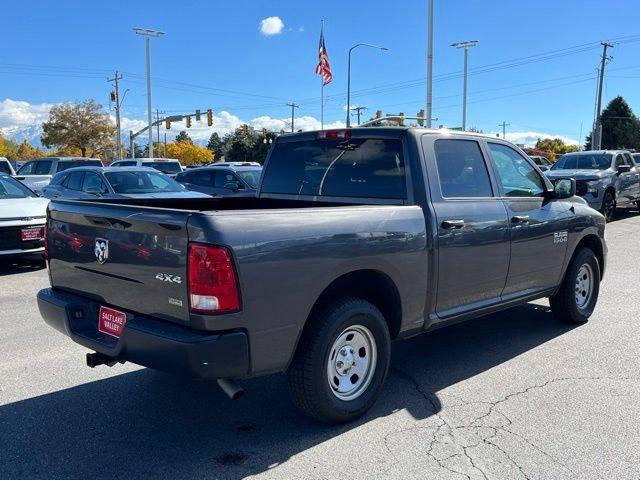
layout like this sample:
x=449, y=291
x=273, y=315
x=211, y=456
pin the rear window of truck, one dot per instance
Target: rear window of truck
x=357, y=167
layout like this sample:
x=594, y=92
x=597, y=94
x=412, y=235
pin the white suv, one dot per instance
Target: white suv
x=168, y=166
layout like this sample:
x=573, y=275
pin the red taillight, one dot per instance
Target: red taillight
x=212, y=280
x=334, y=134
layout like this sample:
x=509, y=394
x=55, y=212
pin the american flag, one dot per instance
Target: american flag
x=324, y=68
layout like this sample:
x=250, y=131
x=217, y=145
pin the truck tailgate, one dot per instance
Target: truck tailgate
x=122, y=256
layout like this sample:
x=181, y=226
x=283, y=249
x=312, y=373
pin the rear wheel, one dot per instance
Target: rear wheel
x=575, y=300
x=341, y=362
x=608, y=208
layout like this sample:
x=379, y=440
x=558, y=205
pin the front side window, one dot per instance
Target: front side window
x=27, y=169
x=356, y=167
x=517, y=176
x=223, y=178
x=461, y=169
x=93, y=182
x=252, y=177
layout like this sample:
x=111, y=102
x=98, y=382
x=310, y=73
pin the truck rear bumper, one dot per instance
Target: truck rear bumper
x=148, y=341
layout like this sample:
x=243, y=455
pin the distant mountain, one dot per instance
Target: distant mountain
x=31, y=133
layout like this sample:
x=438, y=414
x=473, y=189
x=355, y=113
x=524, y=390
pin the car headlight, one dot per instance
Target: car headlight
x=592, y=186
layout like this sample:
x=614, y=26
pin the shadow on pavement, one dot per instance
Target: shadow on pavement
x=149, y=425
x=20, y=265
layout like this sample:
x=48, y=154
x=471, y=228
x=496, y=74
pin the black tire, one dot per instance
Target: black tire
x=608, y=208
x=564, y=303
x=308, y=380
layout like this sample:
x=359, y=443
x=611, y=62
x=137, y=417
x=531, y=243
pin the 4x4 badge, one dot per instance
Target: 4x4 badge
x=101, y=250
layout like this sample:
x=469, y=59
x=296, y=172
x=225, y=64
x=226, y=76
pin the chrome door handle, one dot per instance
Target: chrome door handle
x=520, y=219
x=452, y=224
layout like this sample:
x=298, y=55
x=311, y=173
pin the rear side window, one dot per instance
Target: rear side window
x=461, y=169
x=74, y=181
x=5, y=167
x=359, y=167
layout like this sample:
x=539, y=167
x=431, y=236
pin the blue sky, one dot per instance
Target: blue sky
x=215, y=56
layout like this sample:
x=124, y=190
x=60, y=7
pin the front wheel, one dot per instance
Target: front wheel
x=608, y=208
x=341, y=362
x=577, y=297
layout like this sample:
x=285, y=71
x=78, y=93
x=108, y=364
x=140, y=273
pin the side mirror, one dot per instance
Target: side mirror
x=564, y=188
x=624, y=168
x=232, y=186
x=94, y=190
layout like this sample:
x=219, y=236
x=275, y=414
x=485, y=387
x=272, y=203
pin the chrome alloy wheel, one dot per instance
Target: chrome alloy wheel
x=352, y=362
x=584, y=286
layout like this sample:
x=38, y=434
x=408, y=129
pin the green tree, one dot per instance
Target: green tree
x=620, y=126
x=555, y=146
x=81, y=125
x=27, y=152
x=183, y=136
x=216, y=145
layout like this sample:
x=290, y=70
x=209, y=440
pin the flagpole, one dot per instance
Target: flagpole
x=321, y=85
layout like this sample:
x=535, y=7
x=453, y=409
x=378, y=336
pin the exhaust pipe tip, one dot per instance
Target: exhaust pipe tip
x=231, y=388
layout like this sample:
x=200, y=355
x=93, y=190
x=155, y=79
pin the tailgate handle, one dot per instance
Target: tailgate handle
x=453, y=224
x=520, y=219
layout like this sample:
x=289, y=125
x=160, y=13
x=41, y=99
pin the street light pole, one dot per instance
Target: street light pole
x=430, y=64
x=466, y=45
x=148, y=34
x=349, y=76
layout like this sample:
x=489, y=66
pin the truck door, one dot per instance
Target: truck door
x=539, y=225
x=633, y=177
x=473, y=229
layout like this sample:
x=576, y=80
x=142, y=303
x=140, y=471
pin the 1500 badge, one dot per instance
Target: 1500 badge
x=560, y=237
x=165, y=277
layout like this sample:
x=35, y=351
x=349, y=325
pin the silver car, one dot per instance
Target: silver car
x=606, y=179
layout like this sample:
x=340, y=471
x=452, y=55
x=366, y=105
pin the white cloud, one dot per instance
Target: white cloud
x=17, y=113
x=271, y=26
x=529, y=138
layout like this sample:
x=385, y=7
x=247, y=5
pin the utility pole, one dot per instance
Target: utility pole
x=429, y=63
x=504, y=126
x=596, y=135
x=158, y=112
x=466, y=45
x=165, y=144
x=116, y=78
x=358, y=110
x=147, y=33
x=293, y=113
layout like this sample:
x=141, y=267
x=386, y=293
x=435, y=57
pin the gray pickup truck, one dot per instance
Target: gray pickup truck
x=356, y=237
x=606, y=179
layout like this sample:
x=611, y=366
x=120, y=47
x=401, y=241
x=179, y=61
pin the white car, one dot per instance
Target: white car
x=168, y=166
x=22, y=218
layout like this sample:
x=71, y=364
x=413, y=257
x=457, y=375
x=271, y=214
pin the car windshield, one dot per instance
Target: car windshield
x=252, y=177
x=66, y=164
x=165, y=167
x=141, y=182
x=11, y=188
x=583, y=162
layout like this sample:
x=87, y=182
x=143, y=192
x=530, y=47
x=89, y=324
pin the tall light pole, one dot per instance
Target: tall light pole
x=349, y=76
x=429, y=63
x=148, y=34
x=466, y=45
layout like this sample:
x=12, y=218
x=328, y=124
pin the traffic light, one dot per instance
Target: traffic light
x=264, y=132
x=245, y=129
x=421, y=118
x=188, y=121
x=113, y=97
x=197, y=114
x=167, y=124
x=209, y=117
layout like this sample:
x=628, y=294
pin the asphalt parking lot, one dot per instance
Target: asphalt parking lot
x=508, y=396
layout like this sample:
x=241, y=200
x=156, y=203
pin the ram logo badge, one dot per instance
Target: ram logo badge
x=101, y=250
x=165, y=277
x=560, y=237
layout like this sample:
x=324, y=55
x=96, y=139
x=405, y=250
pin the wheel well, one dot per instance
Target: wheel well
x=593, y=242
x=370, y=285
x=612, y=190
